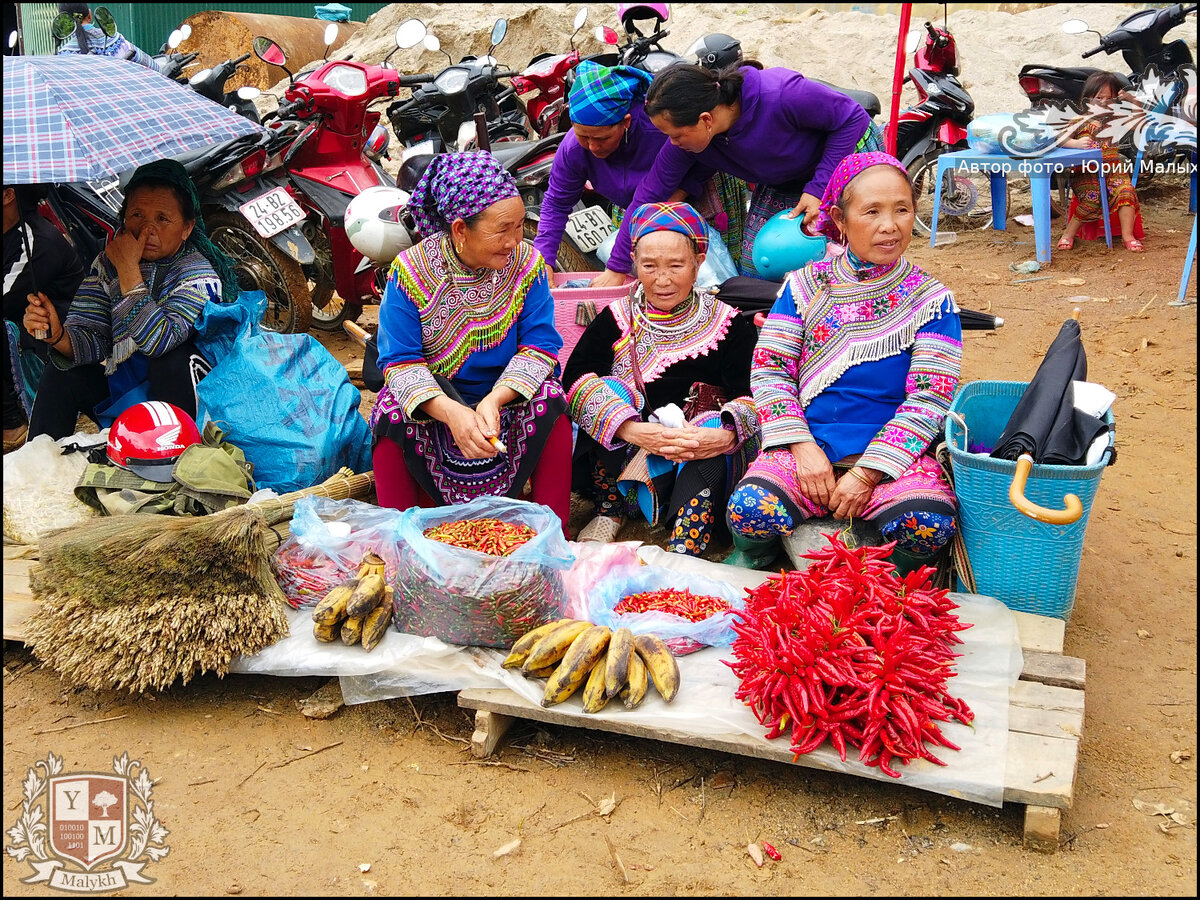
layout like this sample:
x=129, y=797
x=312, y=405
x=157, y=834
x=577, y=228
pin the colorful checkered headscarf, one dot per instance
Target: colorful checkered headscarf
x=602, y=95
x=847, y=169
x=678, y=217
x=457, y=186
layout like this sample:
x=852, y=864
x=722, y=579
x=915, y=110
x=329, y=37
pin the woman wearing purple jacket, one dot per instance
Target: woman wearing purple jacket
x=773, y=128
x=611, y=146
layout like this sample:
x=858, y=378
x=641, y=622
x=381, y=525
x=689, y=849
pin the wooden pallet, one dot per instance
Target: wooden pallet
x=1045, y=724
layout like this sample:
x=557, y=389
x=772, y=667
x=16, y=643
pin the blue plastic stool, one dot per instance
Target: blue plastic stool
x=1187, y=262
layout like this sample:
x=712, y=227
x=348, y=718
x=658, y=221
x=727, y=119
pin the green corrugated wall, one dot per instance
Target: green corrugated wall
x=148, y=25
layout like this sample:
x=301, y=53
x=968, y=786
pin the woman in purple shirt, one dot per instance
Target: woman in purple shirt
x=773, y=127
x=611, y=145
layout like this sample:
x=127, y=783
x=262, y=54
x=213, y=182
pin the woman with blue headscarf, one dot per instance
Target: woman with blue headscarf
x=611, y=145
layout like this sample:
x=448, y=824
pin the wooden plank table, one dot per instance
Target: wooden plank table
x=1045, y=724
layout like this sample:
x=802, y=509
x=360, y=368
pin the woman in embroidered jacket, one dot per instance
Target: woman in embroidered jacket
x=853, y=374
x=473, y=403
x=644, y=353
x=130, y=333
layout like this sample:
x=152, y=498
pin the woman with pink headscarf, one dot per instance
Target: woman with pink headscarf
x=853, y=373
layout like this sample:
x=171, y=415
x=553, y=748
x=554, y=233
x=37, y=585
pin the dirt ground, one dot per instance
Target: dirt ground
x=401, y=794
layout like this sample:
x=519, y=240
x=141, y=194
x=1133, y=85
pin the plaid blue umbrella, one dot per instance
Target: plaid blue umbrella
x=80, y=118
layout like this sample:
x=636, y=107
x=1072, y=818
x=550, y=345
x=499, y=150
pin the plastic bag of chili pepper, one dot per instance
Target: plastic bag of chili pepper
x=480, y=573
x=686, y=610
x=327, y=543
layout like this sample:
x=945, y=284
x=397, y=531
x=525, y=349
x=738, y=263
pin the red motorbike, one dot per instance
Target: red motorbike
x=333, y=157
x=547, y=75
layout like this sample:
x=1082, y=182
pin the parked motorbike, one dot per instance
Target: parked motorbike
x=937, y=124
x=210, y=83
x=330, y=160
x=441, y=114
x=1140, y=38
x=547, y=75
x=171, y=63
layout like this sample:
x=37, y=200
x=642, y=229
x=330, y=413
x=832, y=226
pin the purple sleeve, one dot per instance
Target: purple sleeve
x=814, y=106
x=666, y=176
x=568, y=174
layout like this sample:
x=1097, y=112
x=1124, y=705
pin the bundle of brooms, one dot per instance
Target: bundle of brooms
x=138, y=602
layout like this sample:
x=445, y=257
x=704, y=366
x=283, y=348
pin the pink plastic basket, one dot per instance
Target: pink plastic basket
x=574, y=308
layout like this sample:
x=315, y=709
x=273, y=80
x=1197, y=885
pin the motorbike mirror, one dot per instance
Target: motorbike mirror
x=12, y=39
x=606, y=35
x=104, y=19
x=270, y=52
x=331, y=32
x=185, y=30
x=581, y=18
x=912, y=41
x=410, y=33
x=499, y=30
x=248, y=92
x=175, y=39
x=200, y=77
x=62, y=26
x=1074, y=26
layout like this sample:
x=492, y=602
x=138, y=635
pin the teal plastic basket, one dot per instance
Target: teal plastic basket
x=1027, y=565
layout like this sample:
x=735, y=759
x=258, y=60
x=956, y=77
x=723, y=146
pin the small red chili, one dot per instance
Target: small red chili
x=771, y=852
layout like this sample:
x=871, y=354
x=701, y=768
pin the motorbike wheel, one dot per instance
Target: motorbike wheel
x=966, y=197
x=569, y=257
x=329, y=310
x=260, y=265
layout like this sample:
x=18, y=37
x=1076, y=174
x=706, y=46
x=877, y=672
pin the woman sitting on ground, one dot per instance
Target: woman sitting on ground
x=857, y=364
x=473, y=404
x=130, y=334
x=646, y=352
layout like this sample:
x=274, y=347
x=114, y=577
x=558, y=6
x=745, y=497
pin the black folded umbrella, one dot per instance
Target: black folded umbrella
x=1045, y=424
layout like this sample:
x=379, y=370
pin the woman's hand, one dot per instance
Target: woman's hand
x=690, y=442
x=814, y=472
x=852, y=493
x=469, y=430
x=609, y=278
x=808, y=206
x=125, y=250
x=488, y=410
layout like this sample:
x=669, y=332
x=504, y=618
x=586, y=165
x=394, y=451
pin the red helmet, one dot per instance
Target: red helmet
x=148, y=437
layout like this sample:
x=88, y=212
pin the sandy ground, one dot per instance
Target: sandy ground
x=250, y=812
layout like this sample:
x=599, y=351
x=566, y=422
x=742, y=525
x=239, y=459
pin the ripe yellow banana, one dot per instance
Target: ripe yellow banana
x=594, y=696
x=368, y=594
x=541, y=673
x=326, y=634
x=634, y=691
x=585, y=651
x=616, y=665
x=372, y=564
x=352, y=630
x=376, y=622
x=519, y=651
x=553, y=646
x=660, y=662
x=332, y=608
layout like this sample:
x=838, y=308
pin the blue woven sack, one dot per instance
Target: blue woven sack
x=1028, y=565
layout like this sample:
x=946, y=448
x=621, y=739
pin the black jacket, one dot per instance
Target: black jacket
x=55, y=264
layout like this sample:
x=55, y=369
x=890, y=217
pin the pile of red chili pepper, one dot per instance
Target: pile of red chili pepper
x=847, y=651
x=491, y=536
x=683, y=603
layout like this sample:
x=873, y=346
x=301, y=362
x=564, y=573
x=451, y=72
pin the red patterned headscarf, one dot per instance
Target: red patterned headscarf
x=847, y=169
x=456, y=186
x=678, y=217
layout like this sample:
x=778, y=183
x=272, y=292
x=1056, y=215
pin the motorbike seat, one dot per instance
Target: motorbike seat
x=865, y=99
x=513, y=154
x=1074, y=73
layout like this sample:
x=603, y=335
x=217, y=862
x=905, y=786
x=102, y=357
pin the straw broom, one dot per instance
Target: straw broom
x=137, y=602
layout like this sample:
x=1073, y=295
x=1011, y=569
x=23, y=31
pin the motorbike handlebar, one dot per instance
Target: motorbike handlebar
x=413, y=80
x=241, y=59
x=1092, y=52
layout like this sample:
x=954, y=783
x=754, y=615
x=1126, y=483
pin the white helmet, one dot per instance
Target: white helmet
x=375, y=223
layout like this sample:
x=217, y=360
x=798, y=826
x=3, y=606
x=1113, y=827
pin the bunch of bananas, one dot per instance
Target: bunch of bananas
x=358, y=610
x=571, y=653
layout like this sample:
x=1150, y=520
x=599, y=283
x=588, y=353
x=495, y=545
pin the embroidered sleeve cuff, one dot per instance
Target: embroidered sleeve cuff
x=412, y=384
x=129, y=304
x=601, y=406
x=740, y=416
x=785, y=431
x=526, y=371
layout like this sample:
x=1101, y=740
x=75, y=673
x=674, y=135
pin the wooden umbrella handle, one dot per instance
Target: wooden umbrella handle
x=342, y=486
x=1016, y=494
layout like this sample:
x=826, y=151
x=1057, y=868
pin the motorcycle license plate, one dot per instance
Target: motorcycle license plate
x=589, y=228
x=272, y=212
